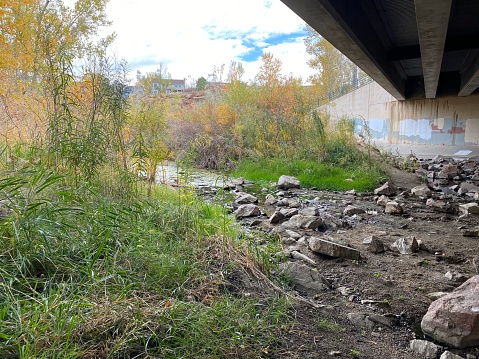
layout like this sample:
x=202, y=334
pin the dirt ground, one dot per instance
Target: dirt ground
x=396, y=286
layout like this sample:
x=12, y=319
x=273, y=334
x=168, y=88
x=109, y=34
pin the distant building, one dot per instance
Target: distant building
x=175, y=86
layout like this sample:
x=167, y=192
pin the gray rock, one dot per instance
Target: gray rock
x=375, y=245
x=383, y=201
x=421, y=191
x=456, y=277
x=287, y=182
x=352, y=210
x=393, y=207
x=440, y=206
x=360, y=320
x=247, y=210
x=245, y=198
x=470, y=232
x=436, y=295
x=406, y=245
x=427, y=349
x=387, y=189
x=454, y=318
x=469, y=208
x=306, y=222
x=270, y=200
x=309, y=211
x=276, y=217
x=302, y=257
x=331, y=249
x=448, y=355
x=289, y=212
x=304, y=277
x=293, y=234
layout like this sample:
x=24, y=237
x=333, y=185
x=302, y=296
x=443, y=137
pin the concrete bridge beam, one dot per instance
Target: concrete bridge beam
x=432, y=17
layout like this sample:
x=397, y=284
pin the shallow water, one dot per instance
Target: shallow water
x=173, y=175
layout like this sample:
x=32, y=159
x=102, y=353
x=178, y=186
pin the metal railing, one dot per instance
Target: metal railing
x=345, y=89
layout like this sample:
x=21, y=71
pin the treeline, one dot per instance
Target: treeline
x=60, y=93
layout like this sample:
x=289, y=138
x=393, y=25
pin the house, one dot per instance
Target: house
x=175, y=86
x=168, y=86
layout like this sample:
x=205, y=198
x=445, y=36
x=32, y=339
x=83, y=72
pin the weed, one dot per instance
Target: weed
x=355, y=353
x=330, y=326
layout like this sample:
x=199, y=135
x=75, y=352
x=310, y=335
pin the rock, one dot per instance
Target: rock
x=406, y=245
x=436, y=295
x=440, y=206
x=293, y=234
x=454, y=318
x=470, y=232
x=276, y=217
x=247, y=210
x=469, y=208
x=448, y=355
x=245, y=198
x=456, y=277
x=383, y=201
x=387, y=189
x=375, y=245
x=306, y=222
x=389, y=320
x=289, y=212
x=427, y=349
x=449, y=171
x=469, y=186
x=283, y=202
x=304, y=277
x=331, y=249
x=287, y=182
x=352, y=210
x=393, y=207
x=421, y=191
x=232, y=184
x=302, y=257
x=309, y=211
x=360, y=320
x=270, y=200
x=344, y=291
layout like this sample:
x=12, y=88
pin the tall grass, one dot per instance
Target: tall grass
x=84, y=275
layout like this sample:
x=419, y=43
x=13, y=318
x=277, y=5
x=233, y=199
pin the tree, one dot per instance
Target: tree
x=334, y=69
x=155, y=82
x=201, y=83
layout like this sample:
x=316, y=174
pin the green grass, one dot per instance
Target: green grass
x=84, y=275
x=323, y=176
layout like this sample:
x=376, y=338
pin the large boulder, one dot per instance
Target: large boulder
x=454, y=318
x=332, y=249
x=287, y=182
x=247, y=210
x=307, y=222
x=387, y=189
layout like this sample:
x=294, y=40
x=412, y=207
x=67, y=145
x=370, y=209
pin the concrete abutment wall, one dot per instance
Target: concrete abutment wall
x=451, y=121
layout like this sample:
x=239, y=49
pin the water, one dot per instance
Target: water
x=201, y=180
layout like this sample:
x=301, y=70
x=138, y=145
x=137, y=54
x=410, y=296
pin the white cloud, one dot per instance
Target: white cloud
x=191, y=37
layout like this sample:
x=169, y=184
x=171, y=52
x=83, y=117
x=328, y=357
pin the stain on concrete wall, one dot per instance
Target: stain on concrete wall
x=450, y=121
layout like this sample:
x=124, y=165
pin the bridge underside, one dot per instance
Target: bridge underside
x=412, y=48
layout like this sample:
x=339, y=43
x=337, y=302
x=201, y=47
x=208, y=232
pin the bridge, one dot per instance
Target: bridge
x=414, y=49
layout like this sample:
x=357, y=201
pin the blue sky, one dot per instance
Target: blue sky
x=193, y=37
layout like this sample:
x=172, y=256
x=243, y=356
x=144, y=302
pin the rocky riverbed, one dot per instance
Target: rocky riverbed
x=367, y=267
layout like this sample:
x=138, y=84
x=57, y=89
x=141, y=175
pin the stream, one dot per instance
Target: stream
x=206, y=182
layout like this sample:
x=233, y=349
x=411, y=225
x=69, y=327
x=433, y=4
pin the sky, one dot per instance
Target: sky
x=191, y=37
